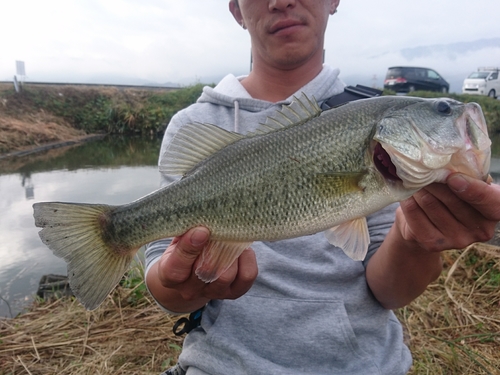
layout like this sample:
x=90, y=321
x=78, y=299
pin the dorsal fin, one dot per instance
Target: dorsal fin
x=298, y=112
x=192, y=144
x=195, y=142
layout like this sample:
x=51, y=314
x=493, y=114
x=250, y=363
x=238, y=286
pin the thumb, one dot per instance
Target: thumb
x=176, y=265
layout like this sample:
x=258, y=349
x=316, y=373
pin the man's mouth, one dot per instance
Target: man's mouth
x=284, y=24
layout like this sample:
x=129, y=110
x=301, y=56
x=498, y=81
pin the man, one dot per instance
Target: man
x=300, y=305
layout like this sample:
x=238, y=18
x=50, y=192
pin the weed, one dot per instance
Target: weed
x=107, y=110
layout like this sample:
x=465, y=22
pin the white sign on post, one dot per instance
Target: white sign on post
x=20, y=71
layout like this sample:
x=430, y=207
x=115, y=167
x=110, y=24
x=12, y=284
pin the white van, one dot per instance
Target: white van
x=483, y=82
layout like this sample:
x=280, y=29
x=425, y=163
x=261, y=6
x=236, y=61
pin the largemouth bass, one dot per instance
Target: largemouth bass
x=302, y=172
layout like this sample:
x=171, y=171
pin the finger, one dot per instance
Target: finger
x=483, y=197
x=220, y=288
x=437, y=219
x=190, y=244
x=452, y=208
x=452, y=218
x=236, y=280
x=431, y=224
x=247, y=273
x=415, y=211
x=416, y=226
x=434, y=209
x=177, y=264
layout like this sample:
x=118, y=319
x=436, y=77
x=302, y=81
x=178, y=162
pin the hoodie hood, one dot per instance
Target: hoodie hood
x=229, y=92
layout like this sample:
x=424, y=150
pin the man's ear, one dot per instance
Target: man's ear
x=236, y=12
x=334, y=5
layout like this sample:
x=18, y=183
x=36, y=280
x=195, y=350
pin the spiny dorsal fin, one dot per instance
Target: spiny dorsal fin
x=192, y=144
x=298, y=112
x=195, y=142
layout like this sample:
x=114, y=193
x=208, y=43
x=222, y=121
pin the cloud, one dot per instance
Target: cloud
x=173, y=41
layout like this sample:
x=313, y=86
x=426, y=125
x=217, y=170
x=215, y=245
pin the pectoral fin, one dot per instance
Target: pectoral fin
x=352, y=237
x=217, y=257
x=338, y=183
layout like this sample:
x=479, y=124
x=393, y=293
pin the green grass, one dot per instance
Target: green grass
x=109, y=110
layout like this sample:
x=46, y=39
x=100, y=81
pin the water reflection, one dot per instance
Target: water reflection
x=113, y=171
x=28, y=187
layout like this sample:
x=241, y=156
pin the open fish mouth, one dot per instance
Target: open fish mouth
x=474, y=158
x=383, y=163
x=462, y=145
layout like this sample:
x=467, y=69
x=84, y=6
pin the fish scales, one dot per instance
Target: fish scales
x=264, y=187
x=303, y=172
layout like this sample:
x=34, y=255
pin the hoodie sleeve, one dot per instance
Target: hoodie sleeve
x=154, y=250
x=379, y=224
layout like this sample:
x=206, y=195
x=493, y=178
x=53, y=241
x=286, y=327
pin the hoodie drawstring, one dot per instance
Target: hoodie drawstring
x=236, y=116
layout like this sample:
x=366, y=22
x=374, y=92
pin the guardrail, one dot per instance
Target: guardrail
x=118, y=86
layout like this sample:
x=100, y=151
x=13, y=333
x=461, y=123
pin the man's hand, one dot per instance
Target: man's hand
x=452, y=215
x=179, y=289
x=439, y=217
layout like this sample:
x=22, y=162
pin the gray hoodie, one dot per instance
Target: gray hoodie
x=310, y=310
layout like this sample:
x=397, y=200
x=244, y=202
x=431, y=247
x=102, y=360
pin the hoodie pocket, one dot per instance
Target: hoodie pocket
x=303, y=336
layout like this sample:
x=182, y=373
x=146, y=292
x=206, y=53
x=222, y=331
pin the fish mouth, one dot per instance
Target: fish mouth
x=384, y=164
x=475, y=156
x=468, y=153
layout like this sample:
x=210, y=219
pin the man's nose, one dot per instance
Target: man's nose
x=281, y=5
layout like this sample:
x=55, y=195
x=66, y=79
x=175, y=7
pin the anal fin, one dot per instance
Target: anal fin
x=352, y=237
x=217, y=257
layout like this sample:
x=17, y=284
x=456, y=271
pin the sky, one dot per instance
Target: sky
x=186, y=42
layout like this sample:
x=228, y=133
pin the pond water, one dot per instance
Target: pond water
x=113, y=170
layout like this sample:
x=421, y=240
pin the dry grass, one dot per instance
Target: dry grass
x=29, y=130
x=61, y=337
x=22, y=126
x=32, y=130
x=453, y=328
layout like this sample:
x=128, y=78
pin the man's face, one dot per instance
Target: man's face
x=285, y=33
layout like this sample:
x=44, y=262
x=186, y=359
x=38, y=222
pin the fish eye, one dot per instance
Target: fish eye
x=444, y=107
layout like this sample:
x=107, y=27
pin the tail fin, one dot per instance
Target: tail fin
x=75, y=233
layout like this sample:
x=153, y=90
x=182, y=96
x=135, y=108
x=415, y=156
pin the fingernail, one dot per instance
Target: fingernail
x=199, y=237
x=458, y=183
